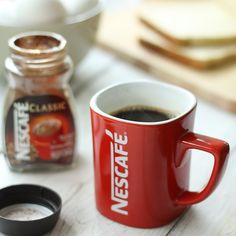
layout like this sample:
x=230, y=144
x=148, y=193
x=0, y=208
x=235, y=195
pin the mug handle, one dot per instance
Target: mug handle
x=218, y=148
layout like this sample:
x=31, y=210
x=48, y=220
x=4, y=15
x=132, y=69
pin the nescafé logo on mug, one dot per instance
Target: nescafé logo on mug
x=119, y=172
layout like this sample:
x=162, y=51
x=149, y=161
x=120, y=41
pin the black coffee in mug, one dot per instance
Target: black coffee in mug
x=142, y=114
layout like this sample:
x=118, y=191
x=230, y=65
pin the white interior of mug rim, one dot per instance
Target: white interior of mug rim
x=161, y=95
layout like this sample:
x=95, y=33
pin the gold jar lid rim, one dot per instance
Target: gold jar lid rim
x=21, y=43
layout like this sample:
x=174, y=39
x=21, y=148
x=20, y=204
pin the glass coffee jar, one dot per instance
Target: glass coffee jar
x=39, y=122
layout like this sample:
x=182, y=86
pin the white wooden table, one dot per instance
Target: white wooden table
x=214, y=217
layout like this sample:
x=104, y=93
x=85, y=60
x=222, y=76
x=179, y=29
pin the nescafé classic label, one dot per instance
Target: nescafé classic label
x=40, y=128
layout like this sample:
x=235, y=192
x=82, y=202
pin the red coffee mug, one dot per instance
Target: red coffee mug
x=142, y=169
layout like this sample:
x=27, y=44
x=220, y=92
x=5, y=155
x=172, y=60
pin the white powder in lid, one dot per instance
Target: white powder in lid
x=25, y=212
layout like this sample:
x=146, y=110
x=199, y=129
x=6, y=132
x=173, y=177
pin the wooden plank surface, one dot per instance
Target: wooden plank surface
x=119, y=32
x=215, y=216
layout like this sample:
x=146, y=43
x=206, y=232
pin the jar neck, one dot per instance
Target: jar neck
x=38, y=54
x=39, y=85
x=32, y=67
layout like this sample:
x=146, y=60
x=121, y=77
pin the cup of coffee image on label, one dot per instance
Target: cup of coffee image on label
x=40, y=128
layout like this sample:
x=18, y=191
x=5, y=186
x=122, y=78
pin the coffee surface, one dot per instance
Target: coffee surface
x=142, y=114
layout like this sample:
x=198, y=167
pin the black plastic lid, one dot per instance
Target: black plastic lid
x=28, y=210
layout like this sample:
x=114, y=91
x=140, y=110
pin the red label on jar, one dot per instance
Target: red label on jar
x=40, y=128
